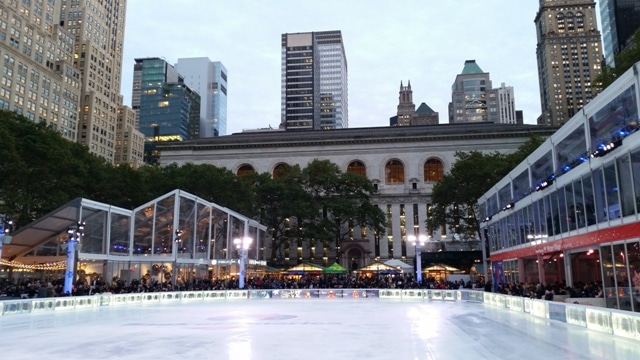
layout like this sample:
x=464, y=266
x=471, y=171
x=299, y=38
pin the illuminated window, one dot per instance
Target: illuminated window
x=245, y=169
x=357, y=167
x=163, y=104
x=433, y=170
x=394, y=172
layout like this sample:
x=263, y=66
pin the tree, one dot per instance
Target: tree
x=624, y=61
x=315, y=206
x=345, y=202
x=278, y=200
x=455, y=197
x=39, y=170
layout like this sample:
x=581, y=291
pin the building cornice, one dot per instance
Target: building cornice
x=374, y=135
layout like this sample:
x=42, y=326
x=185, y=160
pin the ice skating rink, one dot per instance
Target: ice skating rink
x=302, y=329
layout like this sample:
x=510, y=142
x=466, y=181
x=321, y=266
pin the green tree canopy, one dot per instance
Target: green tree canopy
x=455, y=197
x=624, y=61
x=40, y=171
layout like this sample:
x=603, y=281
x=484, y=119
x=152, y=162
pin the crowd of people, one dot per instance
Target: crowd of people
x=548, y=291
x=35, y=288
x=55, y=288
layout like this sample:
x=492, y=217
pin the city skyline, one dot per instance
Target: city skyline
x=424, y=42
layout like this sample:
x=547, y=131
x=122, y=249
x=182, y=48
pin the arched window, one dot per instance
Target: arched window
x=245, y=169
x=280, y=170
x=560, y=18
x=580, y=21
x=394, y=172
x=433, y=170
x=570, y=22
x=357, y=167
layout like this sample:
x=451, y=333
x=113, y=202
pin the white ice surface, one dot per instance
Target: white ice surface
x=302, y=329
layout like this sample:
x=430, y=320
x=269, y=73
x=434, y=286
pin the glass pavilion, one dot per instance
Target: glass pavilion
x=177, y=237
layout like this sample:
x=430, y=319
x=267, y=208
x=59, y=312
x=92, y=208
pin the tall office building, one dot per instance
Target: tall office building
x=569, y=54
x=209, y=79
x=620, y=20
x=97, y=27
x=167, y=109
x=506, y=104
x=470, y=95
x=129, y=140
x=38, y=78
x=314, y=81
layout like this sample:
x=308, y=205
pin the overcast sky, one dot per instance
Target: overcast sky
x=424, y=41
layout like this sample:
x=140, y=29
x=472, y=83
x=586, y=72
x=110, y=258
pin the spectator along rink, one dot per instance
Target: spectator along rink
x=301, y=328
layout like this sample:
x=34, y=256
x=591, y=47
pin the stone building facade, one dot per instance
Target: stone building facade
x=403, y=163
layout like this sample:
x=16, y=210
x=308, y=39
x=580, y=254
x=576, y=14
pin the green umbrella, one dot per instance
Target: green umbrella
x=335, y=268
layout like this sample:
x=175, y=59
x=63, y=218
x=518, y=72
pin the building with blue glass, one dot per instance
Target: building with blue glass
x=168, y=110
x=569, y=213
x=209, y=79
x=620, y=20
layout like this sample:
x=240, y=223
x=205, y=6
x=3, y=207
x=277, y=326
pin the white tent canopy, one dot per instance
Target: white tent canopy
x=399, y=264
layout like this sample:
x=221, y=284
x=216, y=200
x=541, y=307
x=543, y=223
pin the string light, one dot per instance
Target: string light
x=59, y=265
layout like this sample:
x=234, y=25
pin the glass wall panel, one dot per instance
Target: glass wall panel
x=549, y=216
x=555, y=212
x=530, y=228
x=578, y=200
x=236, y=228
x=562, y=210
x=120, y=230
x=504, y=196
x=571, y=217
x=186, y=240
x=95, y=230
x=589, y=200
x=142, y=244
x=220, y=233
x=625, y=180
x=611, y=186
x=203, y=231
x=514, y=228
x=635, y=170
x=521, y=186
x=571, y=151
x=540, y=219
x=609, y=281
x=503, y=233
x=163, y=236
x=542, y=169
x=633, y=253
x=510, y=269
x=614, y=120
x=492, y=205
x=622, y=277
x=521, y=226
x=599, y=192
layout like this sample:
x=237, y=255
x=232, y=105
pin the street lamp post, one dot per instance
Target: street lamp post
x=418, y=242
x=6, y=226
x=75, y=232
x=242, y=244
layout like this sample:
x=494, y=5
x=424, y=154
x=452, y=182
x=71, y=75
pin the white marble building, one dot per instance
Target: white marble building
x=403, y=163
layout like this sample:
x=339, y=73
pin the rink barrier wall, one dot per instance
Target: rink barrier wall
x=611, y=321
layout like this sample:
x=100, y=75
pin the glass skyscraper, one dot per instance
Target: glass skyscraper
x=168, y=110
x=314, y=81
x=209, y=79
x=620, y=20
